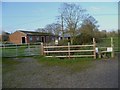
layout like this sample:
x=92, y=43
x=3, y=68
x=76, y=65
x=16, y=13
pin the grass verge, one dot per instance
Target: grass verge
x=8, y=64
x=75, y=64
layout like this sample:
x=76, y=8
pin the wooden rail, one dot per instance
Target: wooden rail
x=74, y=56
x=68, y=46
x=45, y=50
x=69, y=51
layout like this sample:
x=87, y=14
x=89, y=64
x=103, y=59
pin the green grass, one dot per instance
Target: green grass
x=74, y=64
x=8, y=64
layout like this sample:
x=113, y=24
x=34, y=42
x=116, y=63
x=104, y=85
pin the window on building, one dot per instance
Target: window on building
x=43, y=39
x=30, y=37
x=37, y=38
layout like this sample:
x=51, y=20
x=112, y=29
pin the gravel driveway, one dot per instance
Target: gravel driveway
x=31, y=74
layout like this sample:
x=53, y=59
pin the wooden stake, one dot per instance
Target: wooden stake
x=94, y=46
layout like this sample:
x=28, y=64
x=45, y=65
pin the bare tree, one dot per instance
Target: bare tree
x=41, y=30
x=53, y=28
x=72, y=15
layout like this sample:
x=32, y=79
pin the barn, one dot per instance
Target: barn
x=22, y=37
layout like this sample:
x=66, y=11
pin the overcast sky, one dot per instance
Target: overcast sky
x=33, y=15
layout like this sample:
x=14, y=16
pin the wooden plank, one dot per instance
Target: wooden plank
x=67, y=46
x=73, y=56
x=56, y=56
x=55, y=46
x=69, y=51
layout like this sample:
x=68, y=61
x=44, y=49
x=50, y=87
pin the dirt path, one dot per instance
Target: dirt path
x=31, y=74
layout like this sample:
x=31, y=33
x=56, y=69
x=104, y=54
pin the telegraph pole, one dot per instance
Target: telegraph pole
x=62, y=26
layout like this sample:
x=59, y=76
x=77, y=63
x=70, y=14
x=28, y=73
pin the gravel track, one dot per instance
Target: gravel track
x=31, y=74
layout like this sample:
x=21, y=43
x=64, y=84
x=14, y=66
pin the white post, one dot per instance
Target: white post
x=112, y=46
x=42, y=49
x=29, y=48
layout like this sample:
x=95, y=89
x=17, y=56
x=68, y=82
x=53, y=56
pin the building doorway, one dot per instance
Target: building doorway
x=43, y=39
x=23, y=40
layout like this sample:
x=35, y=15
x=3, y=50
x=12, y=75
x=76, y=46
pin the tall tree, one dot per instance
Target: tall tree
x=72, y=16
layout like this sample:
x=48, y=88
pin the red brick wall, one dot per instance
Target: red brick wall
x=16, y=37
x=27, y=39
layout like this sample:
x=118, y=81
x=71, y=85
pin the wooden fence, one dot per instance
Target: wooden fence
x=51, y=49
x=69, y=50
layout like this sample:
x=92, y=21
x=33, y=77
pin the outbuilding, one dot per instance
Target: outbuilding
x=22, y=37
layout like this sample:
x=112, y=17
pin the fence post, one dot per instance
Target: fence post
x=2, y=50
x=112, y=46
x=69, y=49
x=42, y=49
x=94, y=47
x=29, y=48
x=16, y=51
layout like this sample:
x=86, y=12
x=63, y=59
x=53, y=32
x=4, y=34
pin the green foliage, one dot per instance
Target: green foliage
x=82, y=39
x=88, y=31
x=63, y=42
